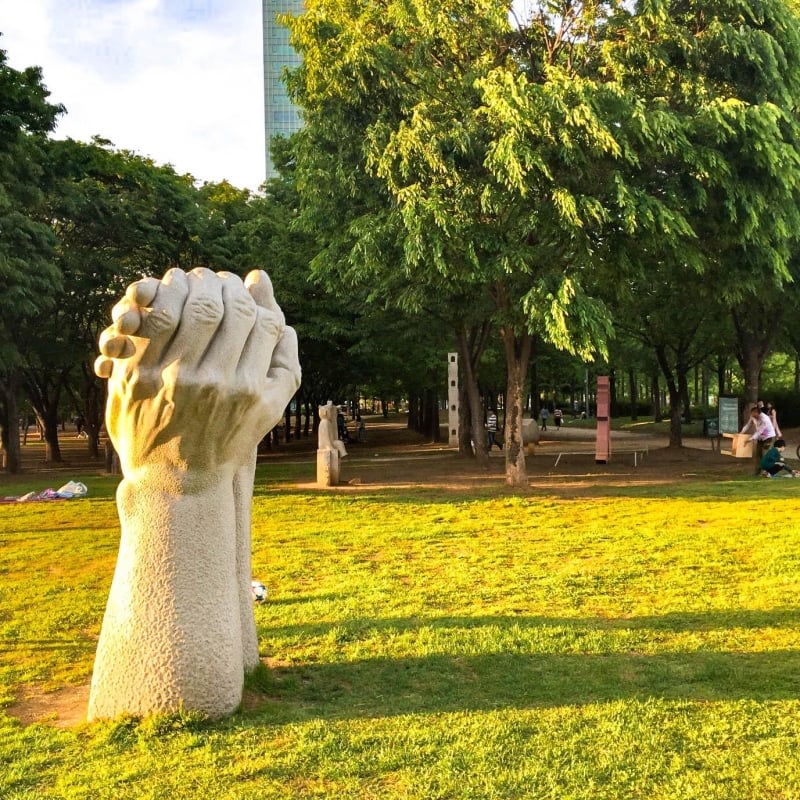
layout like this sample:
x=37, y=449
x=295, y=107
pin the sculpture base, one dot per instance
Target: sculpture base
x=327, y=468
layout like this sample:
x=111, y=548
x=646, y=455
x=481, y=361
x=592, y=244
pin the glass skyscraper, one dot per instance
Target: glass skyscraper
x=281, y=116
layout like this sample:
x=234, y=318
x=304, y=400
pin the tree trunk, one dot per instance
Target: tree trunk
x=9, y=428
x=309, y=418
x=655, y=397
x=433, y=427
x=518, y=353
x=535, y=391
x=634, y=395
x=756, y=325
x=44, y=392
x=298, y=416
x=93, y=408
x=464, y=422
x=721, y=372
x=471, y=345
x=683, y=387
x=675, y=397
x=287, y=422
x=413, y=412
x=612, y=391
x=49, y=425
x=751, y=362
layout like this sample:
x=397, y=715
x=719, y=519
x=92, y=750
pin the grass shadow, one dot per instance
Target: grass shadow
x=443, y=684
x=437, y=683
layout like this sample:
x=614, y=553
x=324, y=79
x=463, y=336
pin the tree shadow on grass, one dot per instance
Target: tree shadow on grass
x=675, y=622
x=438, y=684
x=432, y=684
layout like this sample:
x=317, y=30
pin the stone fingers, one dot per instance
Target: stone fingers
x=239, y=317
x=285, y=365
x=259, y=285
x=213, y=323
x=194, y=318
x=128, y=313
x=283, y=378
x=147, y=316
x=267, y=331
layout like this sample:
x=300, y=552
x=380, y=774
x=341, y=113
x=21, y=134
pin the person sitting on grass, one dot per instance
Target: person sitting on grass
x=772, y=464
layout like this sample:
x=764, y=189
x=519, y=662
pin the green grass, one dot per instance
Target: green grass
x=425, y=644
x=644, y=425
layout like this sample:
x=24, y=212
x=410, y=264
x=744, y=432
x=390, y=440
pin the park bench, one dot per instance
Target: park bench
x=638, y=453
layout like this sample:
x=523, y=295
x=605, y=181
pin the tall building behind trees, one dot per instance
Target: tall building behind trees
x=281, y=116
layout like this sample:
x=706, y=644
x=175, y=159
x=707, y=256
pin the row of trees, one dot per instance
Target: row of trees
x=610, y=180
x=80, y=221
x=595, y=168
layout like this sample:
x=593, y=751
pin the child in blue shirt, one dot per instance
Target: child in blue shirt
x=772, y=463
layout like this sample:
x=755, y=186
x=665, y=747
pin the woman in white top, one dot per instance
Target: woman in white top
x=772, y=414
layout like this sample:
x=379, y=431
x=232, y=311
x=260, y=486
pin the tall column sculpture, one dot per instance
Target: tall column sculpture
x=200, y=366
x=602, y=448
x=452, y=399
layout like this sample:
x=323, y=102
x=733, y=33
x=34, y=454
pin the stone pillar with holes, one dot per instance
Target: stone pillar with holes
x=452, y=399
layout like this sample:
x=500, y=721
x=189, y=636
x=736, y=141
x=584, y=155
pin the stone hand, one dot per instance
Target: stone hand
x=200, y=366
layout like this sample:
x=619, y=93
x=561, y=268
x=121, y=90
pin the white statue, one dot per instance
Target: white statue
x=329, y=446
x=200, y=366
x=328, y=434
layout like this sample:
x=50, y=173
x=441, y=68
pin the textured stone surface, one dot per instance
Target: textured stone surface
x=200, y=366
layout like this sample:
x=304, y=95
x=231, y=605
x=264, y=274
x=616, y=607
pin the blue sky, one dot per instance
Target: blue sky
x=180, y=81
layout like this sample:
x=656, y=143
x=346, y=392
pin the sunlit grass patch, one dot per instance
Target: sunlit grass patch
x=639, y=642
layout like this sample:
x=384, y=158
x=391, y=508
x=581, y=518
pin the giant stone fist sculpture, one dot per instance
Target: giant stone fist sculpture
x=200, y=366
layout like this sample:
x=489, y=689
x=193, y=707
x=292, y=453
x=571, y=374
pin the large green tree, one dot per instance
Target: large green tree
x=729, y=72
x=28, y=278
x=539, y=160
x=116, y=217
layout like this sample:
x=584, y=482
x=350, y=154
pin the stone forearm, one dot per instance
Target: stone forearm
x=171, y=634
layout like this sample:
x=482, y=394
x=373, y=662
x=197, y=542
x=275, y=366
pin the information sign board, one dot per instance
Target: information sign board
x=729, y=415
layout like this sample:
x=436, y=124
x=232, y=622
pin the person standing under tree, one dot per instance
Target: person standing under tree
x=557, y=417
x=773, y=415
x=491, y=431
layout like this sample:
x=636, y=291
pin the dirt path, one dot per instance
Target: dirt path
x=394, y=456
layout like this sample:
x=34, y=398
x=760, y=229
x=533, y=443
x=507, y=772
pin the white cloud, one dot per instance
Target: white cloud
x=180, y=81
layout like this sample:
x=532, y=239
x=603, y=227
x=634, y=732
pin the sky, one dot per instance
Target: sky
x=178, y=81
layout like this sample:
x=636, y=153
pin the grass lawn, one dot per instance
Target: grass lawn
x=426, y=643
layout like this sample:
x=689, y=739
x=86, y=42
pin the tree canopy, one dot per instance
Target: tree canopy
x=539, y=159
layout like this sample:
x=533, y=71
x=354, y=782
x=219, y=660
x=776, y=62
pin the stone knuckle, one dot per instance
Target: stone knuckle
x=244, y=308
x=162, y=320
x=204, y=311
x=269, y=323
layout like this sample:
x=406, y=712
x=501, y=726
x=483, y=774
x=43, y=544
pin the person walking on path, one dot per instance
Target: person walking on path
x=545, y=414
x=491, y=431
x=558, y=415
